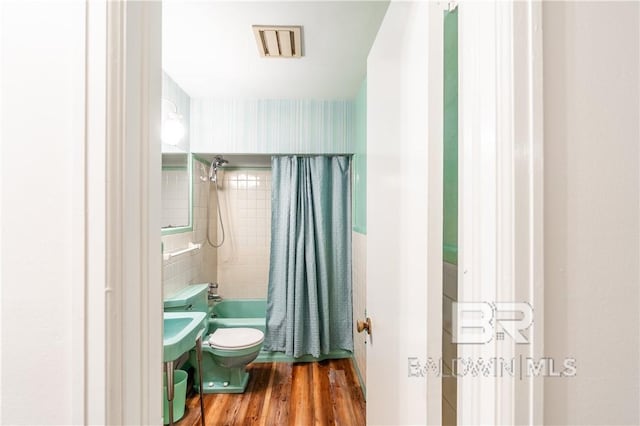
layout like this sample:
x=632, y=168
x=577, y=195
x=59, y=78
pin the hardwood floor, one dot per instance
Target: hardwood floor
x=314, y=393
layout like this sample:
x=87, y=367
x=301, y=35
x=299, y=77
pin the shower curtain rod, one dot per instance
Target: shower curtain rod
x=311, y=155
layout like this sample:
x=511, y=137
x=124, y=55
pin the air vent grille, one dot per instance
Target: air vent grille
x=278, y=41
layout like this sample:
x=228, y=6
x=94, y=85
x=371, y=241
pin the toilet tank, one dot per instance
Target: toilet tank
x=191, y=298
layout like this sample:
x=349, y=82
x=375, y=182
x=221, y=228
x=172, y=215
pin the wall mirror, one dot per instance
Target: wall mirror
x=176, y=193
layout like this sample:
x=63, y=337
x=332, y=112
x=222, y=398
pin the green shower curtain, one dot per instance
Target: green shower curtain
x=309, y=296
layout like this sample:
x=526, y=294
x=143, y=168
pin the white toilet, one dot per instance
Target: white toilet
x=234, y=339
x=225, y=355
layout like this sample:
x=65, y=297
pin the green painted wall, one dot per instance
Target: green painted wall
x=359, y=198
x=450, y=237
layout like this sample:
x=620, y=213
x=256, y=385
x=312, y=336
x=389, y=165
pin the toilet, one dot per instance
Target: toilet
x=225, y=355
x=225, y=351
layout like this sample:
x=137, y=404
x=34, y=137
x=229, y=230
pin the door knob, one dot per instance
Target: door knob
x=364, y=325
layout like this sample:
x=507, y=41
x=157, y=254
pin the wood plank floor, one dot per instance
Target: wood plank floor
x=313, y=393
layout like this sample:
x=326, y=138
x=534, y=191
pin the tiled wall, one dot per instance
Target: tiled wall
x=198, y=266
x=268, y=126
x=359, y=271
x=243, y=260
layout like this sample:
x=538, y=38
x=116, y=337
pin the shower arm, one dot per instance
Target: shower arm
x=217, y=161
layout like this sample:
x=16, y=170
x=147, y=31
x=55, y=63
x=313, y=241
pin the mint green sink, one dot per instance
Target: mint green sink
x=180, y=332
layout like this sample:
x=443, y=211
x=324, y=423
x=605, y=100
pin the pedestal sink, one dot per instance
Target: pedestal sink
x=182, y=332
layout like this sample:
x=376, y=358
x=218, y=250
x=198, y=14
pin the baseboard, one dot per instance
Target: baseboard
x=362, y=383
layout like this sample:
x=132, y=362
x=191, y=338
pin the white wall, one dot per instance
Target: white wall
x=592, y=221
x=43, y=77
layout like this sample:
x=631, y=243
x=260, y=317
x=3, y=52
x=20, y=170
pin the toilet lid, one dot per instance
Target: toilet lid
x=235, y=338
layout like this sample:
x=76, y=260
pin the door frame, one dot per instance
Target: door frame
x=122, y=330
x=134, y=297
x=500, y=195
x=503, y=179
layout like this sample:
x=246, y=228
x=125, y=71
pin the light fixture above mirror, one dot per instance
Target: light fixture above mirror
x=173, y=129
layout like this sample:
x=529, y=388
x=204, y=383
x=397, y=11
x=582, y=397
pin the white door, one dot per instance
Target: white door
x=404, y=215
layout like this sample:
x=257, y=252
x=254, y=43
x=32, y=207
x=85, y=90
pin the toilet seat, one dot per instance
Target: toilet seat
x=235, y=338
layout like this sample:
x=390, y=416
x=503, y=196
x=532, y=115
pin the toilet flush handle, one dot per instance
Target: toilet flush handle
x=364, y=325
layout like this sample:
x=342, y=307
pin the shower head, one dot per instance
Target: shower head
x=217, y=161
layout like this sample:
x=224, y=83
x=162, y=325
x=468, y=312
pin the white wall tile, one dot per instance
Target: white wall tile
x=243, y=260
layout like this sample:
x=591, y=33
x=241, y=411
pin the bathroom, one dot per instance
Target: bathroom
x=225, y=123
x=81, y=242
x=81, y=258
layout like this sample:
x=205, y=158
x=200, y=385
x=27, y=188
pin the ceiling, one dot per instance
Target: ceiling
x=209, y=48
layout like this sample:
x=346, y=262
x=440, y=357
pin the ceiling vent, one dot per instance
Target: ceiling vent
x=278, y=41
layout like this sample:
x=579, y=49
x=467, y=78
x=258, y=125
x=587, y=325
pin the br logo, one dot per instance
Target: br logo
x=480, y=322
